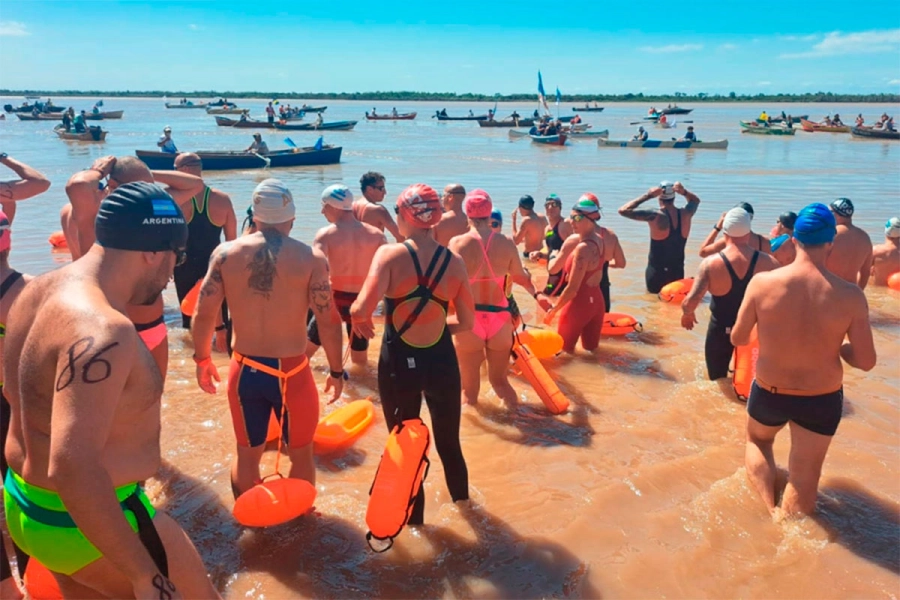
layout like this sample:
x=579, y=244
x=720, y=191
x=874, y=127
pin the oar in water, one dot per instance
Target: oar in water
x=260, y=156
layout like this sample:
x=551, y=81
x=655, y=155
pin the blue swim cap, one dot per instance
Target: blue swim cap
x=815, y=225
x=496, y=215
x=777, y=242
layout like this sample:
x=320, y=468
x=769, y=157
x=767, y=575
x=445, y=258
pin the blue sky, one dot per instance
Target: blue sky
x=487, y=47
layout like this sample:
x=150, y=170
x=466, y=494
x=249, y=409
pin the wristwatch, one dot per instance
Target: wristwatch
x=3, y=155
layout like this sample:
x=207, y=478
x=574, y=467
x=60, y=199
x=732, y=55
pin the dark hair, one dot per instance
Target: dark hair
x=526, y=201
x=788, y=219
x=369, y=178
x=747, y=206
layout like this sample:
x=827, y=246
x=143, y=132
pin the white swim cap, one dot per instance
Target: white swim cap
x=272, y=202
x=338, y=196
x=736, y=222
x=668, y=190
x=892, y=228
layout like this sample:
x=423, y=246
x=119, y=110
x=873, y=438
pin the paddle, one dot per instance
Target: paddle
x=260, y=156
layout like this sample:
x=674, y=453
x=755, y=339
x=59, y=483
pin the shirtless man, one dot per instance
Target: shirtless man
x=215, y=216
x=85, y=195
x=886, y=256
x=725, y=275
x=557, y=230
x=349, y=247
x=782, y=242
x=269, y=280
x=489, y=259
x=531, y=232
x=851, y=254
x=85, y=397
x=369, y=209
x=31, y=182
x=711, y=245
x=799, y=377
x=454, y=221
x=669, y=230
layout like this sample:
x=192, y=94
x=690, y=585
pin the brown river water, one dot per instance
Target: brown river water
x=640, y=490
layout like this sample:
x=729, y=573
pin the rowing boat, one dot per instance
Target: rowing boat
x=811, y=126
x=676, y=144
x=312, y=109
x=391, y=117
x=225, y=110
x=871, y=132
x=748, y=127
x=244, y=123
x=29, y=108
x=93, y=134
x=443, y=117
x=220, y=161
x=550, y=140
x=603, y=133
x=38, y=117
x=792, y=118
x=334, y=126
x=111, y=114
x=677, y=110
x=187, y=105
x=587, y=108
x=507, y=123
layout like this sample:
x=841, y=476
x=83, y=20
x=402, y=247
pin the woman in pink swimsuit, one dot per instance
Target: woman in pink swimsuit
x=489, y=257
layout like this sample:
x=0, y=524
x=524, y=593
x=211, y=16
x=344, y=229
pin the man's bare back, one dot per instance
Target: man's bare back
x=886, y=256
x=531, y=233
x=349, y=247
x=851, y=255
x=454, y=221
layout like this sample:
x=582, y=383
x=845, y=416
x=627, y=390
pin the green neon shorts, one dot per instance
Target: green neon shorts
x=40, y=525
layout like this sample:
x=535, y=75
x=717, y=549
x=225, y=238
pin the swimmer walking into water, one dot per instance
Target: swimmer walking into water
x=85, y=425
x=803, y=313
x=851, y=255
x=269, y=281
x=886, y=256
x=531, y=232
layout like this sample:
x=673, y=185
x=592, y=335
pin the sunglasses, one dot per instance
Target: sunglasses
x=553, y=204
x=180, y=256
x=496, y=224
x=576, y=217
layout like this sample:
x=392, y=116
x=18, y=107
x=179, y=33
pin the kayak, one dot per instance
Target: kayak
x=442, y=117
x=93, y=134
x=810, y=126
x=587, y=108
x=871, y=132
x=391, y=117
x=550, y=140
x=678, y=145
x=244, y=124
x=748, y=127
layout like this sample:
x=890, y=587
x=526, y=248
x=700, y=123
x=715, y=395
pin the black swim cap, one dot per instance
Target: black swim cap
x=747, y=206
x=526, y=202
x=788, y=219
x=141, y=217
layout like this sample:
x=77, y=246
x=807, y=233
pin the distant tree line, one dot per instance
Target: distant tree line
x=829, y=97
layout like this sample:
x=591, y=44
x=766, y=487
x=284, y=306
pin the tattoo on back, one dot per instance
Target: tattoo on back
x=263, y=266
x=94, y=369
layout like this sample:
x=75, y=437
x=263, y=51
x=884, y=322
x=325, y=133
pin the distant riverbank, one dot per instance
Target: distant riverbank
x=827, y=97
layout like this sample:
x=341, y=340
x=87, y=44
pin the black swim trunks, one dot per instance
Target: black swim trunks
x=819, y=414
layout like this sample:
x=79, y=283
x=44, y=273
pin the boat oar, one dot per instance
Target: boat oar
x=263, y=158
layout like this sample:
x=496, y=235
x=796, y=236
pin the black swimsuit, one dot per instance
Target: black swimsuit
x=665, y=263
x=406, y=373
x=724, y=311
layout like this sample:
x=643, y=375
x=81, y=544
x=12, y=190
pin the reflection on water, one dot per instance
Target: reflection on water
x=639, y=491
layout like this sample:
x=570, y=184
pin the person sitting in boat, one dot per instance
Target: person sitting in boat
x=784, y=117
x=889, y=124
x=35, y=112
x=393, y=112
x=490, y=114
x=258, y=146
x=67, y=121
x=443, y=112
x=860, y=120
x=373, y=111
x=537, y=115
x=827, y=121
x=319, y=120
x=165, y=142
x=575, y=120
x=836, y=120
x=690, y=136
x=641, y=135
x=79, y=122
x=243, y=117
x=95, y=110
x=663, y=120
x=764, y=117
x=515, y=117
x=471, y=114
x=652, y=111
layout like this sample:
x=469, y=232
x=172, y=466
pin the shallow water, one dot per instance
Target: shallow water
x=639, y=491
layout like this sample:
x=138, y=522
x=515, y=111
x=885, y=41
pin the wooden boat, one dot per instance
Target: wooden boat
x=793, y=119
x=224, y=160
x=676, y=144
x=507, y=123
x=102, y=115
x=29, y=108
x=221, y=103
x=810, y=126
x=676, y=110
x=334, y=126
x=551, y=140
x=312, y=109
x=575, y=134
x=391, y=117
x=441, y=117
x=93, y=134
x=244, y=123
x=112, y=114
x=587, y=108
x=39, y=117
x=188, y=105
x=226, y=110
x=756, y=128
x=871, y=132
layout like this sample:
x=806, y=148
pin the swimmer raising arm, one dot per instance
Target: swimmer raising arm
x=93, y=366
x=31, y=183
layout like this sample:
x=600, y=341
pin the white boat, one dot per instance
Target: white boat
x=603, y=133
x=676, y=144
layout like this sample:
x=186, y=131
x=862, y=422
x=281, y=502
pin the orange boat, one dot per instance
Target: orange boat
x=811, y=126
x=341, y=428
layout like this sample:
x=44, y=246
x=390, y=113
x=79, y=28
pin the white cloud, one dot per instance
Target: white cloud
x=894, y=82
x=195, y=27
x=799, y=38
x=671, y=48
x=13, y=28
x=728, y=47
x=764, y=83
x=860, y=42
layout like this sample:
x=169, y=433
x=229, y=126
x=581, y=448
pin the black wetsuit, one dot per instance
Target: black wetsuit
x=724, y=311
x=665, y=263
x=604, y=285
x=203, y=238
x=554, y=243
x=407, y=372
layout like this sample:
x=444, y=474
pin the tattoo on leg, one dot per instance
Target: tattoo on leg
x=164, y=586
x=263, y=266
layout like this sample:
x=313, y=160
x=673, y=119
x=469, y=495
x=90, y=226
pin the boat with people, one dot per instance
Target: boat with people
x=872, y=132
x=99, y=116
x=441, y=115
x=676, y=110
x=187, y=104
x=558, y=139
x=218, y=160
x=93, y=134
x=524, y=122
x=787, y=118
x=333, y=126
x=811, y=127
x=242, y=123
x=391, y=117
x=587, y=108
x=312, y=109
x=763, y=129
x=587, y=133
x=673, y=144
x=226, y=110
x=29, y=108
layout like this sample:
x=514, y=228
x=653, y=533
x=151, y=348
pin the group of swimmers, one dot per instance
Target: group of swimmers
x=86, y=351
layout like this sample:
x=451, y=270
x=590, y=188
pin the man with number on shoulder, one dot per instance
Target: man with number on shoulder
x=85, y=412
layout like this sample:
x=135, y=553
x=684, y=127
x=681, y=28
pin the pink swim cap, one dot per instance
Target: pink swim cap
x=5, y=234
x=478, y=205
x=420, y=205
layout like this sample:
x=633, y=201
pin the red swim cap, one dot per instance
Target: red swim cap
x=420, y=205
x=591, y=197
x=478, y=205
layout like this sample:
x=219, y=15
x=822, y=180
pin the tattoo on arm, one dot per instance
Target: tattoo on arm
x=94, y=370
x=263, y=266
x=641, y=215
x=6, y=190
x=321, y=297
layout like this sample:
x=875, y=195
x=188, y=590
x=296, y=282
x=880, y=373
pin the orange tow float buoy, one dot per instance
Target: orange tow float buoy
x=676, y=291
x=400, y=475
x=547, y=390
x=745, y=358
x=543, y=343
x=57, y=239
x=39, y=582
x=274, y=502
x=894, y=281
x=616, y=324
x=338, y=431
x=190, y=300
